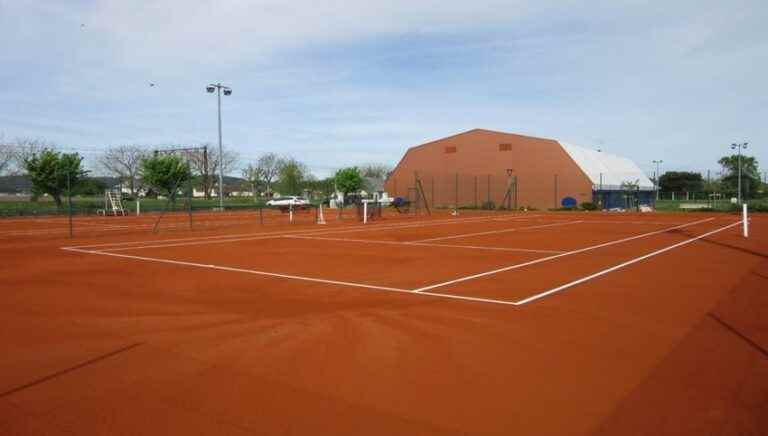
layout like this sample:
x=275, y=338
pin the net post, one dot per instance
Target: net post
x=69, y=203
x=745, y=220
x=365, y=212
x=189, y=200
x=321, y=217
x=138, y=205
x=290, y=214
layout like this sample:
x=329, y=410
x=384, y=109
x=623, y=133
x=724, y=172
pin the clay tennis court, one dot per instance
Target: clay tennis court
x=483, y=324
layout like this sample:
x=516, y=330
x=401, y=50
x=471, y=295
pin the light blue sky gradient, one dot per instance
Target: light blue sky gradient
x=336, y=83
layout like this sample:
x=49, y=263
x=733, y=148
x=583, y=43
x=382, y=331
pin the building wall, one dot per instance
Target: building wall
x=474, y=163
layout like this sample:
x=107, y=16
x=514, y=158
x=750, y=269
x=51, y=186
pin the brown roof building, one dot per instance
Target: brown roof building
x=483, y=168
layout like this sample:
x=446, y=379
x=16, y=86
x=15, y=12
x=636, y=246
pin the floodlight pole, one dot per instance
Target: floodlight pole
x=739, y=147
x=218, y=87
x=657, y=162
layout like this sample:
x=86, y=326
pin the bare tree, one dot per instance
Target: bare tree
x=206, y=167
x=263, y=174
x=124, y=161
x=24, y=148
x=375, y=170
x=6, y=155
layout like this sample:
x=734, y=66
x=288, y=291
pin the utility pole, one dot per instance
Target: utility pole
x=658, y=175
x=218, y=87
x=739, y=147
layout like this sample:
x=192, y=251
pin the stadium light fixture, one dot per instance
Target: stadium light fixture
x=658, y=175
x=739, y=147
x=227, y=91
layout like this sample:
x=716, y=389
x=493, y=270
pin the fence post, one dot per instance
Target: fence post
x=488, y=203
x=69, y=203
x=456, y=203
x=555, y=191
x=433, y=190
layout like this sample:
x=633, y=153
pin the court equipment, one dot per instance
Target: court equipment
x=113, y=200
x=320, y=217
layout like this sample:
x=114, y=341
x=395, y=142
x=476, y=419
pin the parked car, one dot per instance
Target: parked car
x=285, y=203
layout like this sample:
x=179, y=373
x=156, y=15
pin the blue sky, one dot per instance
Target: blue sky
x=335, y=83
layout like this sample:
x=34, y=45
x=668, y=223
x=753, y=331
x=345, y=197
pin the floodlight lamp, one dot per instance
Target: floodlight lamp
x=227, y=92
x=210, y=88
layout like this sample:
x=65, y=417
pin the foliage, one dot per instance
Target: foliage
x=292, y=176
x=124, y=161
x=588, y=205
x=681, y=181
x=165, y=174
x=52, y=172
x=348, y=180
x=262, y=174
x=750, y=174
x=6, y=156
x=205, y=165
x=90, y=186
x=375, y=170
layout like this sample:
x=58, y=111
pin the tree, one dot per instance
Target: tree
x=52, y=173
x=124, y=161
x=6, y=156
x=375, y=170
x=207, y=167
x=291, y=176
x=681, y=181
x=24, y=149
x=348, y=180
x=165, y=174
x=263, y=173
x=750, y=173
x=90, y=186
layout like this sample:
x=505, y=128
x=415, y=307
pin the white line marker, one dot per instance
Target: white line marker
x=621, y=265
x=241, y=270
x=493, y=232
x=548, y=258
x=420, y=244
x=259, y=235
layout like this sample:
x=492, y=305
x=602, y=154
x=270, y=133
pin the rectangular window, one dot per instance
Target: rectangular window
x=505, y=147
x=450, y=149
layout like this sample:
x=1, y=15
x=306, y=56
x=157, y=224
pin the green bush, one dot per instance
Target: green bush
x=587, y=205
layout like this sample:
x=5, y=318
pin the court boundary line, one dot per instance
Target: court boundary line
x=556, y=256
x=276, y=234
x=492, y=232
x=420, y=244
x=437, y=294
x=622, y=265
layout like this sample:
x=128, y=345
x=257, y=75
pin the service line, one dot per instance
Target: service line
x=557, y=256
x=622, y=265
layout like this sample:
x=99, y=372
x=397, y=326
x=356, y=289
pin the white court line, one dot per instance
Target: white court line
x=419, y=244
x=385, y=288
x=265, y=235
x=621, y=265
x=492, y=232
x=291, y=277
x=548, y=258
x=281, y=232
x=241, y=270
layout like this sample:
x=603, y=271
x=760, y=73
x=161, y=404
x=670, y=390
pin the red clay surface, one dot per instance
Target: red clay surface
x=407, y=325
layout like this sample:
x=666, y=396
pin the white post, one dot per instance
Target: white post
x=745, y=220
x=321, y=218
x=290, y=213
x=138, y=206
x=365, y=212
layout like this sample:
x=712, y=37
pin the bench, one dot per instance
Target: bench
x=694, y=206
